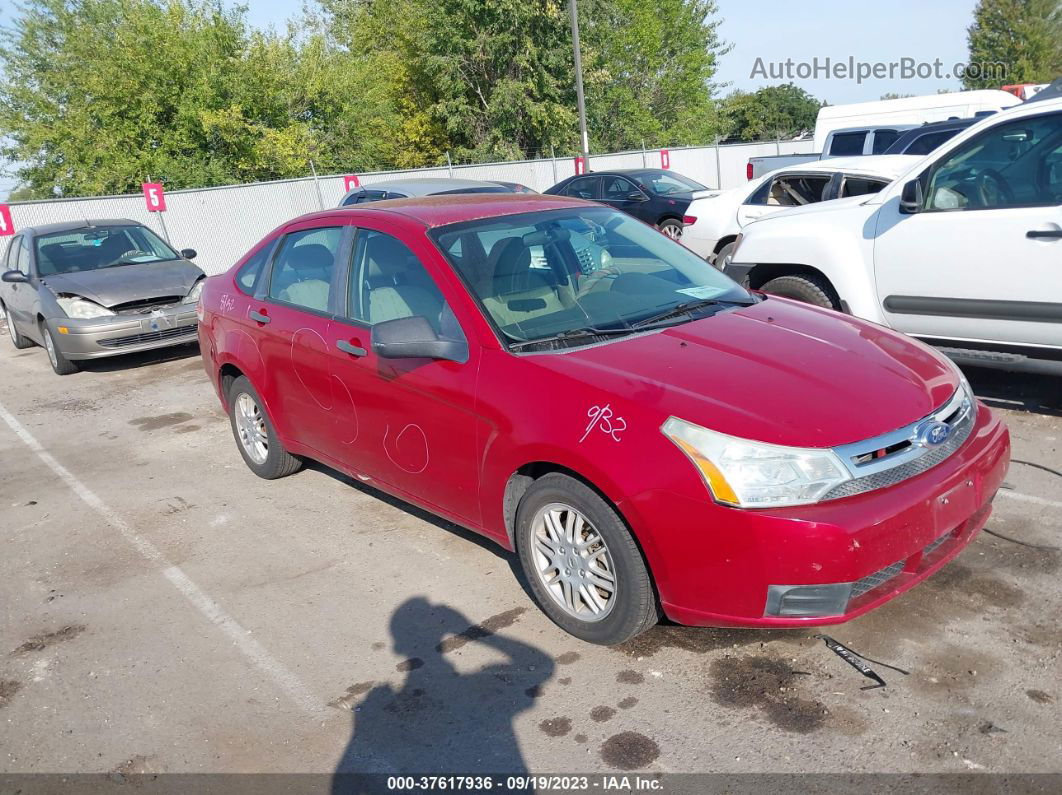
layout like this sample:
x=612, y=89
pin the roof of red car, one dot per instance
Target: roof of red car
x=448, y=209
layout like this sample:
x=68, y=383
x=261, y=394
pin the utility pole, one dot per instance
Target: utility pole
x=579, y=83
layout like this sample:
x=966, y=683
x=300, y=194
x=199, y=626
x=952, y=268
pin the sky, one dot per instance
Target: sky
x=775, y=30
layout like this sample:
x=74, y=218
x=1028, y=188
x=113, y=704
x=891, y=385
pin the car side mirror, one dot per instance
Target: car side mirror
x=636, y=196
x=414, y=338
x=911, y=197
x=14, y=277
x=189, y=253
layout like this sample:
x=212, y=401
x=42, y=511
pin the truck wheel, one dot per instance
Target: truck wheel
x=809, y=288
x=584, y=568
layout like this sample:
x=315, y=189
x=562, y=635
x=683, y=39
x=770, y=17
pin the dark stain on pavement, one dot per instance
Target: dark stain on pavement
x=567, y=658
x=628, y=702
x=629, y=751
x=556, y=727
x=347, y=701
x=8, y=688
x=565, y=680
x=1039, y=696
x=482, y=630
x=44, y=640
x=409, y=665
x=161, y=421
x=629, y=677
x=580, y=738
x=602, y=713
x=767, y=684
x=534, y=691
x=985, y=587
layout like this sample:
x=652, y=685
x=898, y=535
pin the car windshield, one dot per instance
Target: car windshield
x=664, y=184
x=99, y=247
x=581, y=272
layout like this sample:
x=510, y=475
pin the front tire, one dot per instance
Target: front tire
x=583, y=565
x=808, y=287
x=672, y=228
x=256, y=438
x=20, y=342
x=60, y=364
x=722, y=259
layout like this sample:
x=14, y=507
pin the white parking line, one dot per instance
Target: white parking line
x=1017, y=495
x=248, y=646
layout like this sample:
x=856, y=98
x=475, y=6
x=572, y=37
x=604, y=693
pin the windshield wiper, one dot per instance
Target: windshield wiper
x=572, y=334
x=685, y=308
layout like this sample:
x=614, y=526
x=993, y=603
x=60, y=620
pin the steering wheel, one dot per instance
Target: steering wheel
x=1002, y=188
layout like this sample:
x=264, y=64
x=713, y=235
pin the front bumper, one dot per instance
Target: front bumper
x=120, y=334
x=720, y=566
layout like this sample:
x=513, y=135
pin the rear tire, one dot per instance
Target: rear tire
x=808, y=287
x=256, y=438
x=671, y=227
x=19, y=341
x=560, y=560
x=60, y=364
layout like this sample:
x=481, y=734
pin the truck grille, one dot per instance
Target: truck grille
x=150, y=336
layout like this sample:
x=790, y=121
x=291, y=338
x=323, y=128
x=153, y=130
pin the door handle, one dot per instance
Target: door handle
x=1044, y=234
x=353, y=350
x=258, y=317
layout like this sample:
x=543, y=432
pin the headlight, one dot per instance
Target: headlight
x=751, y=474
x=82, y=308
x=194, y=293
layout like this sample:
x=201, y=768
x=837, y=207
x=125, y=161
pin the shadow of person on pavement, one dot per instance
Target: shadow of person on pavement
x=442, y=720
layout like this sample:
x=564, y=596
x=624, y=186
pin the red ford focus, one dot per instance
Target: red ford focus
x=650, y=437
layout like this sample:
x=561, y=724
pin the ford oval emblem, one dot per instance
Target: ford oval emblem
x=933, y=433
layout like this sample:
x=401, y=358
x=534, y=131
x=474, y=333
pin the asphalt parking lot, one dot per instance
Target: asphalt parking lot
x=164, y=610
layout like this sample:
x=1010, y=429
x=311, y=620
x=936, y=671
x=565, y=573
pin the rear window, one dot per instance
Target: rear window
x=848, y=144
x=883, y=139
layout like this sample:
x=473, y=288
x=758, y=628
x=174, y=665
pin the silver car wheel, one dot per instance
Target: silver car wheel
x=250, y=424
x=572, y=562
x=49, y=346
x=11, y=330
x=672, y=231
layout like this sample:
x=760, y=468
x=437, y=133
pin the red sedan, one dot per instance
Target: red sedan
x=650, y=437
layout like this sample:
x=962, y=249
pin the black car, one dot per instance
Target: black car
x=923, y=140
x=653, y=195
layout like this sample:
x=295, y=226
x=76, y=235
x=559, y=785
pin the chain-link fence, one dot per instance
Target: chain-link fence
x=223, y=223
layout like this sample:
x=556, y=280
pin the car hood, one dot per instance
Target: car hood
x=124, y=283
x=777, y=372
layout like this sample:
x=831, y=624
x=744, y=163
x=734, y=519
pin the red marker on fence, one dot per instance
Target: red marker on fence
x=155, y=197
x=351, y=181
x=580, y=165
x=665, y=159
x=7, y=226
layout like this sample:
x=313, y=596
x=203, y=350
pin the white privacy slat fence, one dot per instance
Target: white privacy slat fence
x=223, y=223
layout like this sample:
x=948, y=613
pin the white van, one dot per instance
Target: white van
x=909, y=111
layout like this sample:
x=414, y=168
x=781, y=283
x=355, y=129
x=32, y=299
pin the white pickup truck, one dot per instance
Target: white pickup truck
x=964, y=250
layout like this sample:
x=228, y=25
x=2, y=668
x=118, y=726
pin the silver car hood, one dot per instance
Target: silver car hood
x=121, y=284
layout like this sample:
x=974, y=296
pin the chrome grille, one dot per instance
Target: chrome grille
x=878, y=578
x=150, y=336
x=890, y=477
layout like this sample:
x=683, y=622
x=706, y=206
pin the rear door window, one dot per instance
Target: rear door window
x=848, y=144
x=861, y=186
x=247, y=275
x=795, y=190
x=303, y=270
x=883, y=139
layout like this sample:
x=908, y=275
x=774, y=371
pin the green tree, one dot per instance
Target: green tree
x=772, y=112
x=1024, y=37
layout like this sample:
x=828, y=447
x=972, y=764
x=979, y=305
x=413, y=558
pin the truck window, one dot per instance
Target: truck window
x=847, y=144
x=883, y=139
x=925, y=144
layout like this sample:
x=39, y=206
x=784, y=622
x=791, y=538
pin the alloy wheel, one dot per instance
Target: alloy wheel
x=250, y=424
x=572, y=562
x=672, y=231
x=49, y=345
